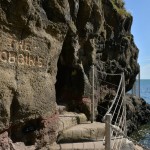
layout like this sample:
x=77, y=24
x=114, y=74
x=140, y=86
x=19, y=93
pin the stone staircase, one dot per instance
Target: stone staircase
x=76, y=132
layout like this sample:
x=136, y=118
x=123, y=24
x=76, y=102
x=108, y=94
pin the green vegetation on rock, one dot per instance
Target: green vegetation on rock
x=118, y=5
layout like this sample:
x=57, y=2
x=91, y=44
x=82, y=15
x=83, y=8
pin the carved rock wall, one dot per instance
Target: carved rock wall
x=30, y=44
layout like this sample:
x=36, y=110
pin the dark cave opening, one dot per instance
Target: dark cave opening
x=70, y=78
x=69, y=86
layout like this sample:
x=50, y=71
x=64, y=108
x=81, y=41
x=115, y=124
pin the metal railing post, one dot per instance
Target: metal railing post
x=108, y=132
x=92, y=104
x=139, y=85
x=134, y=89
x=124, y=103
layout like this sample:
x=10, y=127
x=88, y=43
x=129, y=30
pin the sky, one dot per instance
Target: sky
x=140, y=10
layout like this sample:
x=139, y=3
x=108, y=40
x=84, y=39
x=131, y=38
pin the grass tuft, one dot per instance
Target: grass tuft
x=119, y=7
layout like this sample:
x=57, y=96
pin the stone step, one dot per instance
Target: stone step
x=122, y=144
x=82, y=133
x=79, y=146
x=69, y=119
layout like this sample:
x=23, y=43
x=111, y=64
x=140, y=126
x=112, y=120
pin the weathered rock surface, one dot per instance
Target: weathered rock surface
x=138, y=112
x=28, y=66
x=47, y=49
x=96, y=38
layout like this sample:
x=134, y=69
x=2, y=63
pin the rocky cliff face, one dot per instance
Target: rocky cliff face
x=138, y=113
x=47, y=48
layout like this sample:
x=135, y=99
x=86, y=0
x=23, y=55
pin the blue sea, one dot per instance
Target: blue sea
x=145, y=89
x=143, y=134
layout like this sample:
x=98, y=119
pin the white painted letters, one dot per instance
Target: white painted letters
x=11, y=59
x=3, y=56
x=20, y=53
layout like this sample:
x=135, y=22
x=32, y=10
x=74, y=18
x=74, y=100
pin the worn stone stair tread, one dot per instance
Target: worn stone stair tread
x=98, y=145
x=82, y=132
x=69, y=119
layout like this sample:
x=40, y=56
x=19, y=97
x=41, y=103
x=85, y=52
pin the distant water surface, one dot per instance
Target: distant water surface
x=145, y=89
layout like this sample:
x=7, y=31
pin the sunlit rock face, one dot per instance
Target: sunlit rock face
x=30, y=45
x=99, y=34
x=47, y=49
